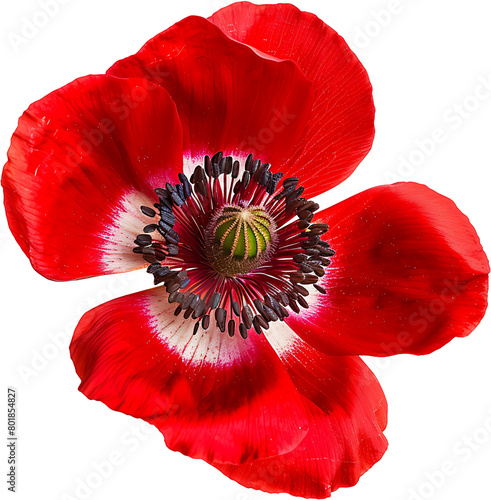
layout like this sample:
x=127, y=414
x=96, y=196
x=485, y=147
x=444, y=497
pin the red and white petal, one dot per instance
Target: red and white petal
x=347, y=415
x=82, y=161
x=409, y=275
x=229, y=98
x=213, y=397
x=340, y=131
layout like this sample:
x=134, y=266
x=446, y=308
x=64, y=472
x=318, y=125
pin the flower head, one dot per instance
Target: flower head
x=197, y=158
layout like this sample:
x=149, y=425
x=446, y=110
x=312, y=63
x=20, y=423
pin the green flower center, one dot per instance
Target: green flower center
x=240, y=239
x=243, y=233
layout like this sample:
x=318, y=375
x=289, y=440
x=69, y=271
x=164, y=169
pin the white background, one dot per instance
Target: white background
x=425, y=59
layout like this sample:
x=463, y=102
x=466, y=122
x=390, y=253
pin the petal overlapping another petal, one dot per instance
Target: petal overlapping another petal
x=347, y=414
x=229, y=98
x=340, y=131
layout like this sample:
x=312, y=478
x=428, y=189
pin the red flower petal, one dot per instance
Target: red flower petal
x=213, y=397
x=340, y=131
x=409, y=275
x=229, y=98
x=82, y=161
x=347, y=413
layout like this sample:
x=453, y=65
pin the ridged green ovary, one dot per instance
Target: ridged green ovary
x=243, y=233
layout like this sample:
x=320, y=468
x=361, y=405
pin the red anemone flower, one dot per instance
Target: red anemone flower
x=197, y=158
